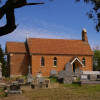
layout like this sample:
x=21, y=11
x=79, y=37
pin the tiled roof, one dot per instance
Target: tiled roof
x=58, y=46
x=15, y=47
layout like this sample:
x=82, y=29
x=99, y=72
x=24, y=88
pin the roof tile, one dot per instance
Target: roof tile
x=58, y=46
x=12, y=47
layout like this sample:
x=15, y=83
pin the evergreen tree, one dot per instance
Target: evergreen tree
x=2, y=60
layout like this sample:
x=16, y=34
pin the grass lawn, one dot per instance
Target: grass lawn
x=64, y=92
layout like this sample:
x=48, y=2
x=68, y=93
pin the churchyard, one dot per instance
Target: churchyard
x=78, y=85
x=63, y=92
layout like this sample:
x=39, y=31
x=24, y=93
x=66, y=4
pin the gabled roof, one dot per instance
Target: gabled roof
x=58, y=46
x=74, y=59
x=50, y=46
x=15, y=47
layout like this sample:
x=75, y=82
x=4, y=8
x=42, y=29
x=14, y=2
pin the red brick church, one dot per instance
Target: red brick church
x=48, y=54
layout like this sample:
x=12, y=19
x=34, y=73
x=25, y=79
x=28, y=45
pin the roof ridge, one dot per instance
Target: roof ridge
x=14, y=42
x=55, y=39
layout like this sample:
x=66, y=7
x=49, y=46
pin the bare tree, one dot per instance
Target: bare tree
x=8, y=9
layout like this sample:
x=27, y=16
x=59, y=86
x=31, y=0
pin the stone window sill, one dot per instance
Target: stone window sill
x=54, y=66
x=42, y=66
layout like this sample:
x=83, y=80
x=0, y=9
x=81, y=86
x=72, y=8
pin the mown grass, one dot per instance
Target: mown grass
x=66, y=92
x=63, y=92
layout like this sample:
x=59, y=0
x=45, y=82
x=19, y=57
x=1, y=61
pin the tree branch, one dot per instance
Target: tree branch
x=10, y=25
x=8, y=9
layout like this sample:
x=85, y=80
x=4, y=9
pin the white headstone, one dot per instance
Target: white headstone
x=84, y=77
x=91, y=72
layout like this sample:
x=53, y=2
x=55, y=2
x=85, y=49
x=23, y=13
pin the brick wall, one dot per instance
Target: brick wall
x=61, y=61
x=19, y=64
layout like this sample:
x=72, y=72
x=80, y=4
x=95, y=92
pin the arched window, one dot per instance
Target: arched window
x=55, y=61
x=42, y=61
x=83, y=61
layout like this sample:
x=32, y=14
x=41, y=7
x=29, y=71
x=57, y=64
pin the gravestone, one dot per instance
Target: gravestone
x=68, y=74
x=0, y=70
x=14, y=87
x=21, y=81
x=68, y=68
x=84, y=77
x=92, y=72
x=41, y=80
x=68, y=79
x=53, y=73
x=29, y=76
x=74, y=78
x=46, y=81
x=78, y=72
x=15, y=83
x=61, y=74
x=38, y=75
x=93, y=77
x=35, y=81
x=98, y=76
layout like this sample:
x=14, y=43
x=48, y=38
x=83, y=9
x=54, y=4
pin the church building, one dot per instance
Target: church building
x=48, y=54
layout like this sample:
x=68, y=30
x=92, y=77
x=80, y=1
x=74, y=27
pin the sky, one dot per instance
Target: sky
x=60, y=19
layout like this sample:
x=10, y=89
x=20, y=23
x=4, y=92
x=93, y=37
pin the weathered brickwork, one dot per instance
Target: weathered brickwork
x=19, y=64
x=61, y=61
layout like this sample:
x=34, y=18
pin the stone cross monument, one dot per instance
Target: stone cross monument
x=0, y=70
x=29, y=76
x=29, y=67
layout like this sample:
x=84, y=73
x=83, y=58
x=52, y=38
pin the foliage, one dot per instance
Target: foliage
x=53, y=79
x=2, y=60
x=96, y=53
x=94, y=12
x=96, y=56
x=2, y=93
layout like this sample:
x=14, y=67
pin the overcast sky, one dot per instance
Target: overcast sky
x=60, y=19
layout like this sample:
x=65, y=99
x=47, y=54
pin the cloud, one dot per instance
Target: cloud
x=44, y=31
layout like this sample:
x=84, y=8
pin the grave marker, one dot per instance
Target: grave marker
x=68, y=68
x=78, y=71
x=41, y=80
x=53, y=73
x=29, y=76
x=46, y=81
x=61, y=74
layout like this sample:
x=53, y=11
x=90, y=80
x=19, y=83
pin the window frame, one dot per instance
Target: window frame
x=55, y=62
x=42, y=62
x=84, y=61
